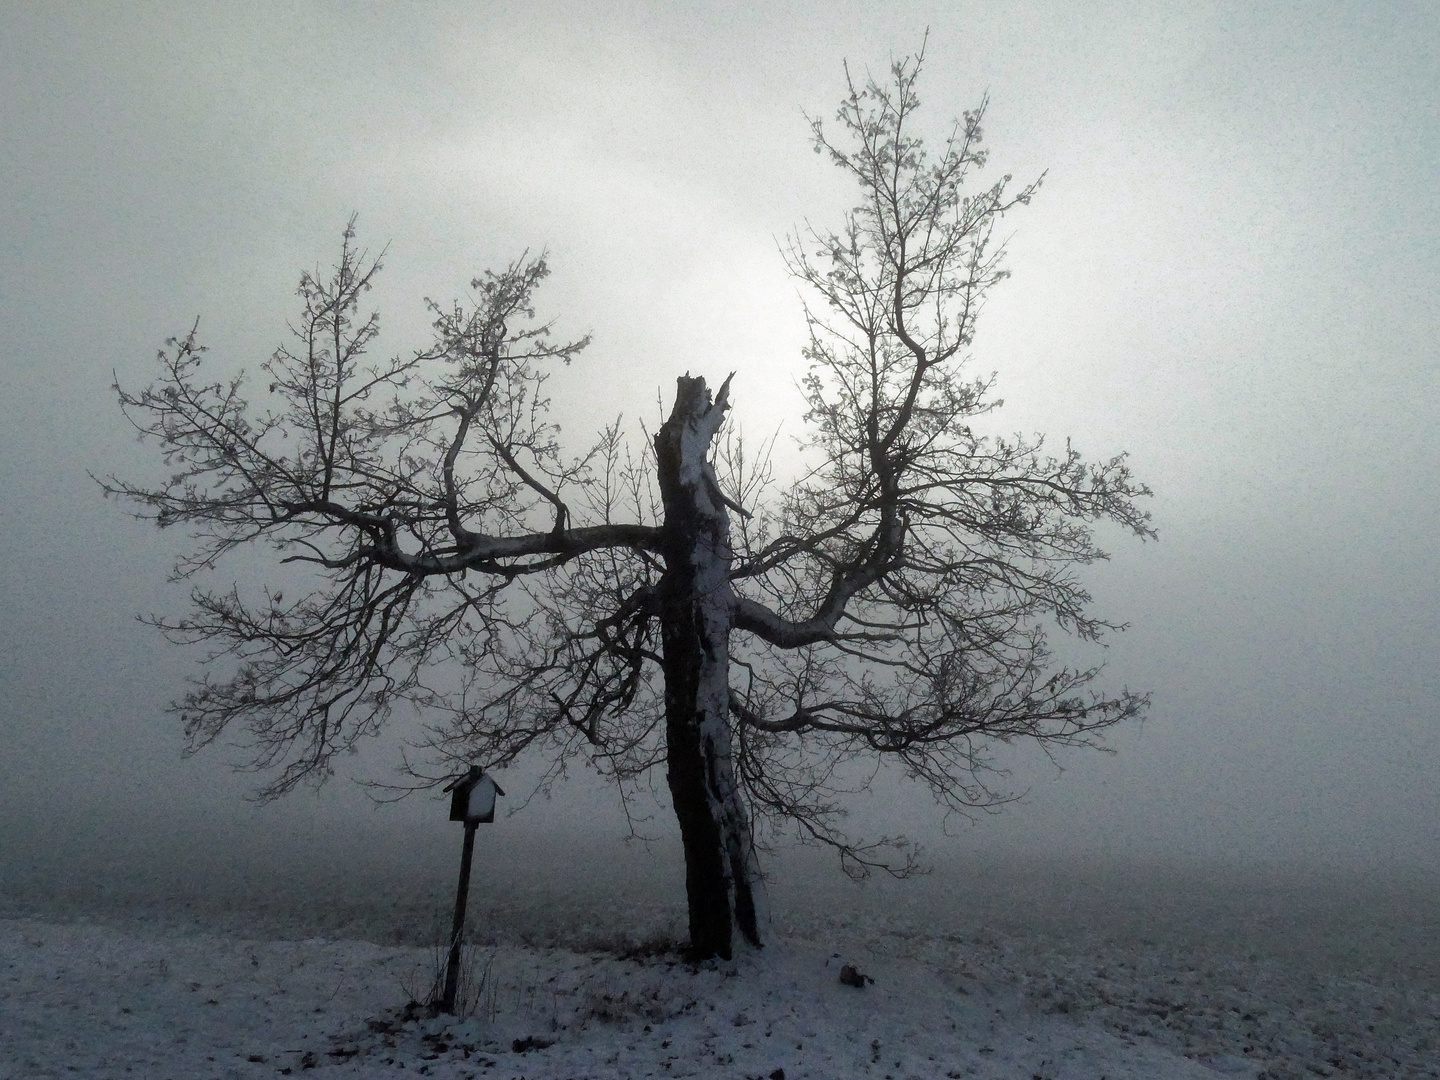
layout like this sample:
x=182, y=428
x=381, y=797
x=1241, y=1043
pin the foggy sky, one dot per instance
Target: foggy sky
x=1230, y=272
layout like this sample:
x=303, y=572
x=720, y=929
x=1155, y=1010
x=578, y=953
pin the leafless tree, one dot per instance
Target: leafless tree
x=758, y=644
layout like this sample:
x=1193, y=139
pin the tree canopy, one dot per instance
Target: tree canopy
x=671, y=605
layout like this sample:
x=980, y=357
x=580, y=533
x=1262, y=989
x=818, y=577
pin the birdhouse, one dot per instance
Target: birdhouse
x=472, y=797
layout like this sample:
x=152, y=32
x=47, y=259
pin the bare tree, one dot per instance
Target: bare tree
x=891, y=603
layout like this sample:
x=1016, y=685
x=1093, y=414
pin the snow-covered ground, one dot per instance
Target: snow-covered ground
x=98, y=1001
x=1030, y=977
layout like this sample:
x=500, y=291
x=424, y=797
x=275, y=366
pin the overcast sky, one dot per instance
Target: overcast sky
x=1231, y=272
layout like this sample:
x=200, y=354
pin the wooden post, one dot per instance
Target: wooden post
x=457, y=930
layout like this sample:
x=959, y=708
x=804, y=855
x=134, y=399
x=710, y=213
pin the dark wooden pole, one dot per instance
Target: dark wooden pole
x=462, y=893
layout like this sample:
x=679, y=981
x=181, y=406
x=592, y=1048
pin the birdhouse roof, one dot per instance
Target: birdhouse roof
x=468, y=780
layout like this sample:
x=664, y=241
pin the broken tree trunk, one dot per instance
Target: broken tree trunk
x=722, y=880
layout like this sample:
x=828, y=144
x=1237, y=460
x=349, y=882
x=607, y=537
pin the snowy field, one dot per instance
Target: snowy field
x=978, y=972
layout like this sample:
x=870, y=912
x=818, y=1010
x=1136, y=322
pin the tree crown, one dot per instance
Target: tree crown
x=892, y=603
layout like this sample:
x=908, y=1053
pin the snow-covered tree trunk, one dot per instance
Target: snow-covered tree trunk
x=722, y=879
